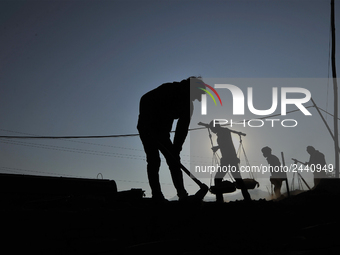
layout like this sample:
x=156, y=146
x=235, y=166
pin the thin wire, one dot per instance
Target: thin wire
x=77, y=141
x=70, y=137
x=116, y=136
x=75, y=150
x=96, y=144
x=87, y=152
x=326, y=112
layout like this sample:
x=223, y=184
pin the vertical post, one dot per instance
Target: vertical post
x=335, y=87
x=284, y=164
x=324, y=121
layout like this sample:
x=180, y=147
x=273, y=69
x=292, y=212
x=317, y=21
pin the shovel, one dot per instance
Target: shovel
x=200, y=194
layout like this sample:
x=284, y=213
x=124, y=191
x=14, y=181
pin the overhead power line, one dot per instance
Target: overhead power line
x=75, y=150
x=112, y=136
x=125, y=135
x=69, y=137
x=327, y=112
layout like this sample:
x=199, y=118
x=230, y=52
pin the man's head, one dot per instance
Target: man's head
x=310, y=150
x=214, y=127
x=266, y=151
x=195, y=83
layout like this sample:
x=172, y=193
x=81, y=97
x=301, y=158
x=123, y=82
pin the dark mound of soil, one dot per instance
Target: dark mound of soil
x=90, y=224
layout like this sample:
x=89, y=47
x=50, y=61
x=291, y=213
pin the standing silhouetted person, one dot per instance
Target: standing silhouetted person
x=157, y=111
x=277, y=175
x=229, y=158
x=316, y=162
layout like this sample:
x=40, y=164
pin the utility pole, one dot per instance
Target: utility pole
x=335, y=87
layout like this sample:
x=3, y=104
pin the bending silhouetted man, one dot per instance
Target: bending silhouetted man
x=277, y=175
x=229, y=158
x=317, y=162
x=157, y=111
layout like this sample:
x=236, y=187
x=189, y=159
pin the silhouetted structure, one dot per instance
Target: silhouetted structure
x=316, y=162
x=277, y=175
x=229, y=160
x=157, y=111
x=33, y=186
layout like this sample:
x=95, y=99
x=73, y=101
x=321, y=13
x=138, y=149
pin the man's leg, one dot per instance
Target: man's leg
x=239, y=181
x=277, y=188
x=218, y=180
x=153, y=164
x=173, y=160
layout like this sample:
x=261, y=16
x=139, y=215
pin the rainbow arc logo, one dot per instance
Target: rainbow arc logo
x=209, y=93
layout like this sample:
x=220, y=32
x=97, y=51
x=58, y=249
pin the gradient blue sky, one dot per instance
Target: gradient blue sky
x=80, y=68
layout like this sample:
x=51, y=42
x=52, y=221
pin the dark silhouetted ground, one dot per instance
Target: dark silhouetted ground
x=307, y=223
